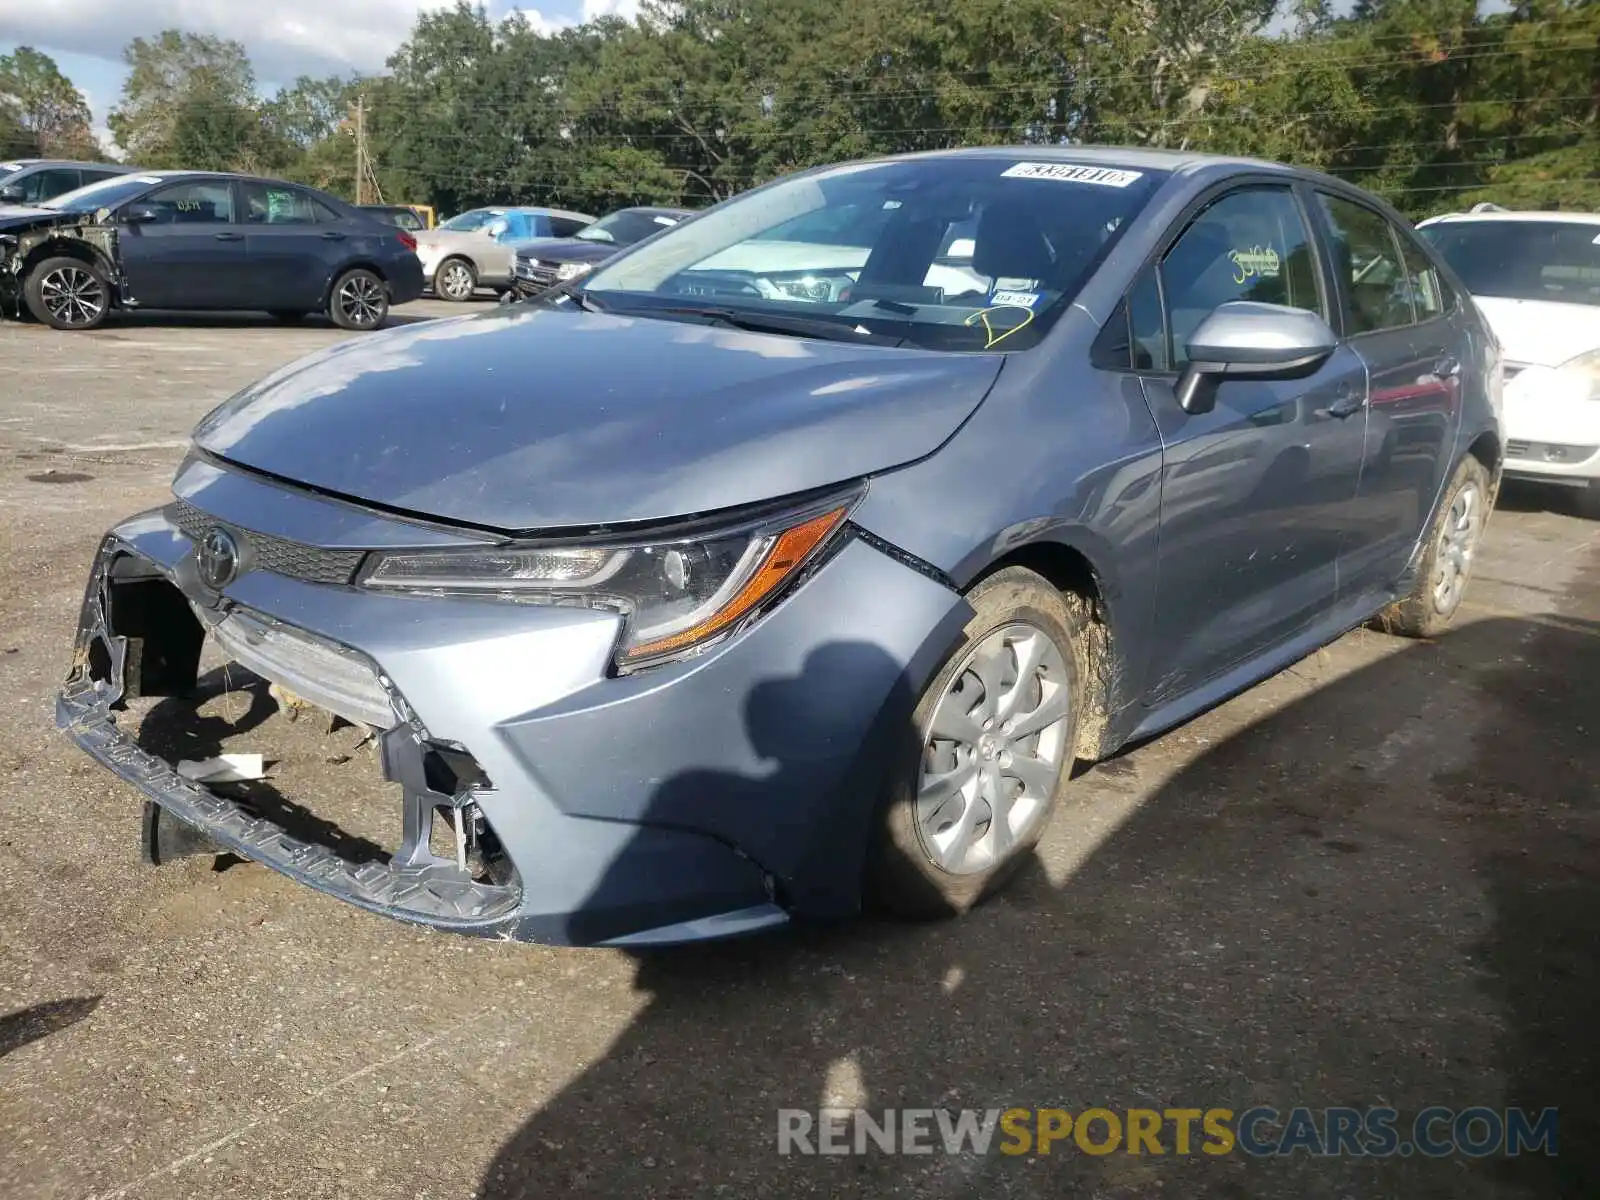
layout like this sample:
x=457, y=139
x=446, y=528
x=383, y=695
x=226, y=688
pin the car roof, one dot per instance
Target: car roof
x=117, y=168
x=1506, y=215
x=656, y=210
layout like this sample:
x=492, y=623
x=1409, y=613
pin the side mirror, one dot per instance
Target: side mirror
x=1246, y=340
x=11, y=193
x=139, y=214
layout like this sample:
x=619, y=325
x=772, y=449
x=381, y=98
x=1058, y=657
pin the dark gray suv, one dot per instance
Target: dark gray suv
x=35, y=180
x=797, y=553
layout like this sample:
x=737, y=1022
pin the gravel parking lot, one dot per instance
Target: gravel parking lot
x=1374, y=879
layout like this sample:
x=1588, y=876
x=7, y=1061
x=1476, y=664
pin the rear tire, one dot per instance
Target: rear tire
x=67, y=293
x=1446, y=566
x=359, y=301
x=992, y=749
x=455, y=280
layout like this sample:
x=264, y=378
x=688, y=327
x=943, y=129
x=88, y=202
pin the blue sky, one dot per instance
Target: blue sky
x=285, y=38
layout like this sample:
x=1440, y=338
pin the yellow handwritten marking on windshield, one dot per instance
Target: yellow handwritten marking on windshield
x=988, y=328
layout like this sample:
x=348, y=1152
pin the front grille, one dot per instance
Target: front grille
x=533, y=271
x=296, y=560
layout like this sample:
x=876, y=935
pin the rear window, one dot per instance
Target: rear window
x=1523, y=260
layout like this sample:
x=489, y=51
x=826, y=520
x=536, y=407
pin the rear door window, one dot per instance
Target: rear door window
x=1368, y=264
x=1422, y=281
x=276, y=204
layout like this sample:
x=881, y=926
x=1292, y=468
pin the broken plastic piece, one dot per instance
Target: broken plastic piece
x=225, y=768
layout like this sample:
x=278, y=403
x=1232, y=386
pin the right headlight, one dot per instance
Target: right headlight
x=1583, y=374
x=677, y=595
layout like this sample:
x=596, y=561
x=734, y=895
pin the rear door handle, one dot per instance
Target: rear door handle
x=332, y=235
x=230, y=237
x=1348, y=403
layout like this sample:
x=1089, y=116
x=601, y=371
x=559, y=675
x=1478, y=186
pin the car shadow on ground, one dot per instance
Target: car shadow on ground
x=1518, y=495
x=1386, y=893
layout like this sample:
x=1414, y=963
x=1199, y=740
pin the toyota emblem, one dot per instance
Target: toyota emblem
x=217, y=558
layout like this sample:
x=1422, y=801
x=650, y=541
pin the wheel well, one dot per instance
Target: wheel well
x=1487, y=450
x=62, y=248
x=1070, y=572
x=345, y=269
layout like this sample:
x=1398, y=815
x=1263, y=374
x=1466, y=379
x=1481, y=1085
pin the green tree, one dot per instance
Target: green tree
x=185, y=93
x=47, y=114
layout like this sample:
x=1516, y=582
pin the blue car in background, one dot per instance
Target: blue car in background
x=203, y=241
x=794, y=556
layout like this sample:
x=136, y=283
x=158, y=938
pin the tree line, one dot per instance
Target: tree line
x=1431, y=103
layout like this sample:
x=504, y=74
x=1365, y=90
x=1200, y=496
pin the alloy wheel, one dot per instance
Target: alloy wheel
x=1458, y=541
x=74, y=296
x=994, y=749
x=361, y=300
x=455, y=281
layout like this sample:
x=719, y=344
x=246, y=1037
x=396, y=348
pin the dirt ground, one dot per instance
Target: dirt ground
x=1371, y=880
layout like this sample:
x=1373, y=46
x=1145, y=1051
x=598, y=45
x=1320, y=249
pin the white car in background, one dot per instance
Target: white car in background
x=1536, y=278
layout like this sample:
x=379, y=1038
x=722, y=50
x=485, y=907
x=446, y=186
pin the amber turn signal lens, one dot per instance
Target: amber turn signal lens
x=788, y=554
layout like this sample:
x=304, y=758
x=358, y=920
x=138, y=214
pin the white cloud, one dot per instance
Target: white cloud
x=285, y=38
x=593, y=10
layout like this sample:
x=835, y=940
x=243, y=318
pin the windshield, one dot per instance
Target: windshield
x=627, y=227
x=468, y=221
x=108, y=193
x=951, y=253
x=1523, y=260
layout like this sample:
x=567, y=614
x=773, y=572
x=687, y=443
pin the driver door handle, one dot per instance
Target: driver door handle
x=332, y=235
x=230, y=237
x=1348, y=402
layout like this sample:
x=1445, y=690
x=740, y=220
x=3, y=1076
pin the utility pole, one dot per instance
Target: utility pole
x=361, y=150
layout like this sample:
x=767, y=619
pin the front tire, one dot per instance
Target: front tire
x=67, y=293
x=1589, y=501
x=1446, y=566
x=359, y=301
x=455, y=280
x=995, y=736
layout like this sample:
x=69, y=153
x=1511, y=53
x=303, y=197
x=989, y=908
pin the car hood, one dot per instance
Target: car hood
x=567, y=250
x=1541, y=332
x=525, y=419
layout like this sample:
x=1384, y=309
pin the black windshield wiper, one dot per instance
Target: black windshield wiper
x=762, y=322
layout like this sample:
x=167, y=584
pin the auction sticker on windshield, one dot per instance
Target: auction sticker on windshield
x=1072, y=173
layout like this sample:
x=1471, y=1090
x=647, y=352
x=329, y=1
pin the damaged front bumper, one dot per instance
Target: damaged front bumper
x=83, y=237
x=700, y=799
x=437, y=893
